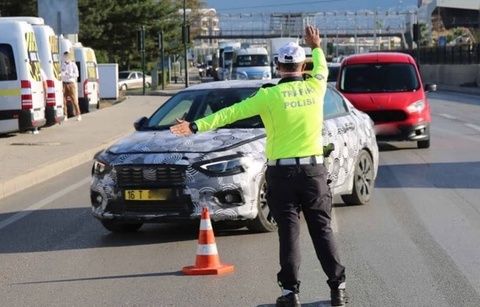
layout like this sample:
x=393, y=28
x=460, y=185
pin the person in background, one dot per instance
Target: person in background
x=69, y=79
x=296, y=175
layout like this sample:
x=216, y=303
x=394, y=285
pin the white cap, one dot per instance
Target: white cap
x=291, y=53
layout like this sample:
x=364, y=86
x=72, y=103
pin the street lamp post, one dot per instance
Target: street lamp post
x=185, y=40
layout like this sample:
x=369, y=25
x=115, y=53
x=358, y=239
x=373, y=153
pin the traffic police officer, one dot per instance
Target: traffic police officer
x=292, y=112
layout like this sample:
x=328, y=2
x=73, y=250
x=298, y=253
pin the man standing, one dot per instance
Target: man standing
x=69, y=78
x=292, y=112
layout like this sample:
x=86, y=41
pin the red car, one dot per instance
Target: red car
x=388, y=87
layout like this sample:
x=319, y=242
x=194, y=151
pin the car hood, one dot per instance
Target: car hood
x=144, y=142
x=386, y=101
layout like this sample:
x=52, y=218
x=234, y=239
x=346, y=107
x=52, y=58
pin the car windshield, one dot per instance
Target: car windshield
x=123, y=75
x=333, y=73
x=252, y=60
x=379, y=77
x=193, y=105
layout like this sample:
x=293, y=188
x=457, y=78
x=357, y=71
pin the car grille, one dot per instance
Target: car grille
x=387, y=116
x=150, y=175
x=255, y=76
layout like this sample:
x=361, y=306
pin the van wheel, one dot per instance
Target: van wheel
x=423, y=144
x=120, y=226
x=147, y=84
x=123, y=87
x=264, y=221
x=363, y=182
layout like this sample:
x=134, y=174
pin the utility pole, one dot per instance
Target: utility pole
x=141, y=48
x=162, y=53
x=185, y=40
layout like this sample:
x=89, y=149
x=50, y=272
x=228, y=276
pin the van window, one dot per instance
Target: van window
x=252, y=60
x=55, y=57
x=92, y=71
x=379, y=77
x=7, y=63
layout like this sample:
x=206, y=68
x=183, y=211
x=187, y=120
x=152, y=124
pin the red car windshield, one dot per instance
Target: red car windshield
x=379, y=78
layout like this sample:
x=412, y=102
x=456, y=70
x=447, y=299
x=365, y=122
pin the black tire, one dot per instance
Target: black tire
x=264, y=221
x=147, y=84
x=123, y=87
x=423, y=144
x=363, y=181
x=121, y=227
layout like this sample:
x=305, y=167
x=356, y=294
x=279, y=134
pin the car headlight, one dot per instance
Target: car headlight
x=267, y=75
x=225, y=166
x=416, y=106
x=99, y=168
x=241, y=75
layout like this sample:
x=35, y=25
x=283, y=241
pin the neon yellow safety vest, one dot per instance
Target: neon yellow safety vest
x=292, y=113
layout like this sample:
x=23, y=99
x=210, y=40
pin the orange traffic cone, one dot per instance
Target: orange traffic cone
x=208, y=261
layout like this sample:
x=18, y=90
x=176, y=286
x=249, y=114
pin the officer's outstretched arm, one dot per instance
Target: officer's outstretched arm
x=249, y=107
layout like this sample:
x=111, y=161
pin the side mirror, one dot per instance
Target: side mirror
x=429, y=87
x=139, y=123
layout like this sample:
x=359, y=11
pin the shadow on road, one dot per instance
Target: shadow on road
x=177, y=273
x=75, y=228
x=385, y=147
x=446, y=175
x=314, y=304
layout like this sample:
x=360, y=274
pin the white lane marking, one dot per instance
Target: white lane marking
x=447, y=116
x=334, y=224
x=476, y=127
x=42, y=203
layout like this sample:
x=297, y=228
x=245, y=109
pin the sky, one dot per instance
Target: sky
x=280, y=6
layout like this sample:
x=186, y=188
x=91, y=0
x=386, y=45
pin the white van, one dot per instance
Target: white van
x=251, y=64
x=50, y=62
x=22, y=99
x=88, y=84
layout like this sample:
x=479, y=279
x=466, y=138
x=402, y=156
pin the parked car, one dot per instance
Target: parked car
x=154, y=176
x=132, y=79
x=388, y=87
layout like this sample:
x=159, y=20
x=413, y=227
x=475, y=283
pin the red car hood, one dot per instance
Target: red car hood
x=375, y=101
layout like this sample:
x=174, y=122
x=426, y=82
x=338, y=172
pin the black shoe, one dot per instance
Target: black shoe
x=339, y=298
x=290, y=300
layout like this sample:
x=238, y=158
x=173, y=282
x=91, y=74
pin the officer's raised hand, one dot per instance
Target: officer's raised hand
x=312, y=37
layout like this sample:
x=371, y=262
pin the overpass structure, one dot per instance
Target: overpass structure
x=333, y=25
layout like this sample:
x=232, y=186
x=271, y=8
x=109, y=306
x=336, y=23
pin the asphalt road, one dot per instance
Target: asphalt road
x=416, y=244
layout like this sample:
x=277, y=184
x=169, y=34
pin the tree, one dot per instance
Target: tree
x=18, y=8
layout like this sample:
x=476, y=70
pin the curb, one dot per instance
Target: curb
x=50, y=170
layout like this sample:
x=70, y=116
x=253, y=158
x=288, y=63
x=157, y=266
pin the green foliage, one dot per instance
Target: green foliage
x=458, y=32
x=18, y=8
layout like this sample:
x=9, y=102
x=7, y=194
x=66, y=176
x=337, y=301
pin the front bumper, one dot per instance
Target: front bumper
x=403, y=132
x=184, y=203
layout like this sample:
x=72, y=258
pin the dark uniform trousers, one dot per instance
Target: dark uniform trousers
x=290, y=190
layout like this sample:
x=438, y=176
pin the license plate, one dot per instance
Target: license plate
x=147, y=194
